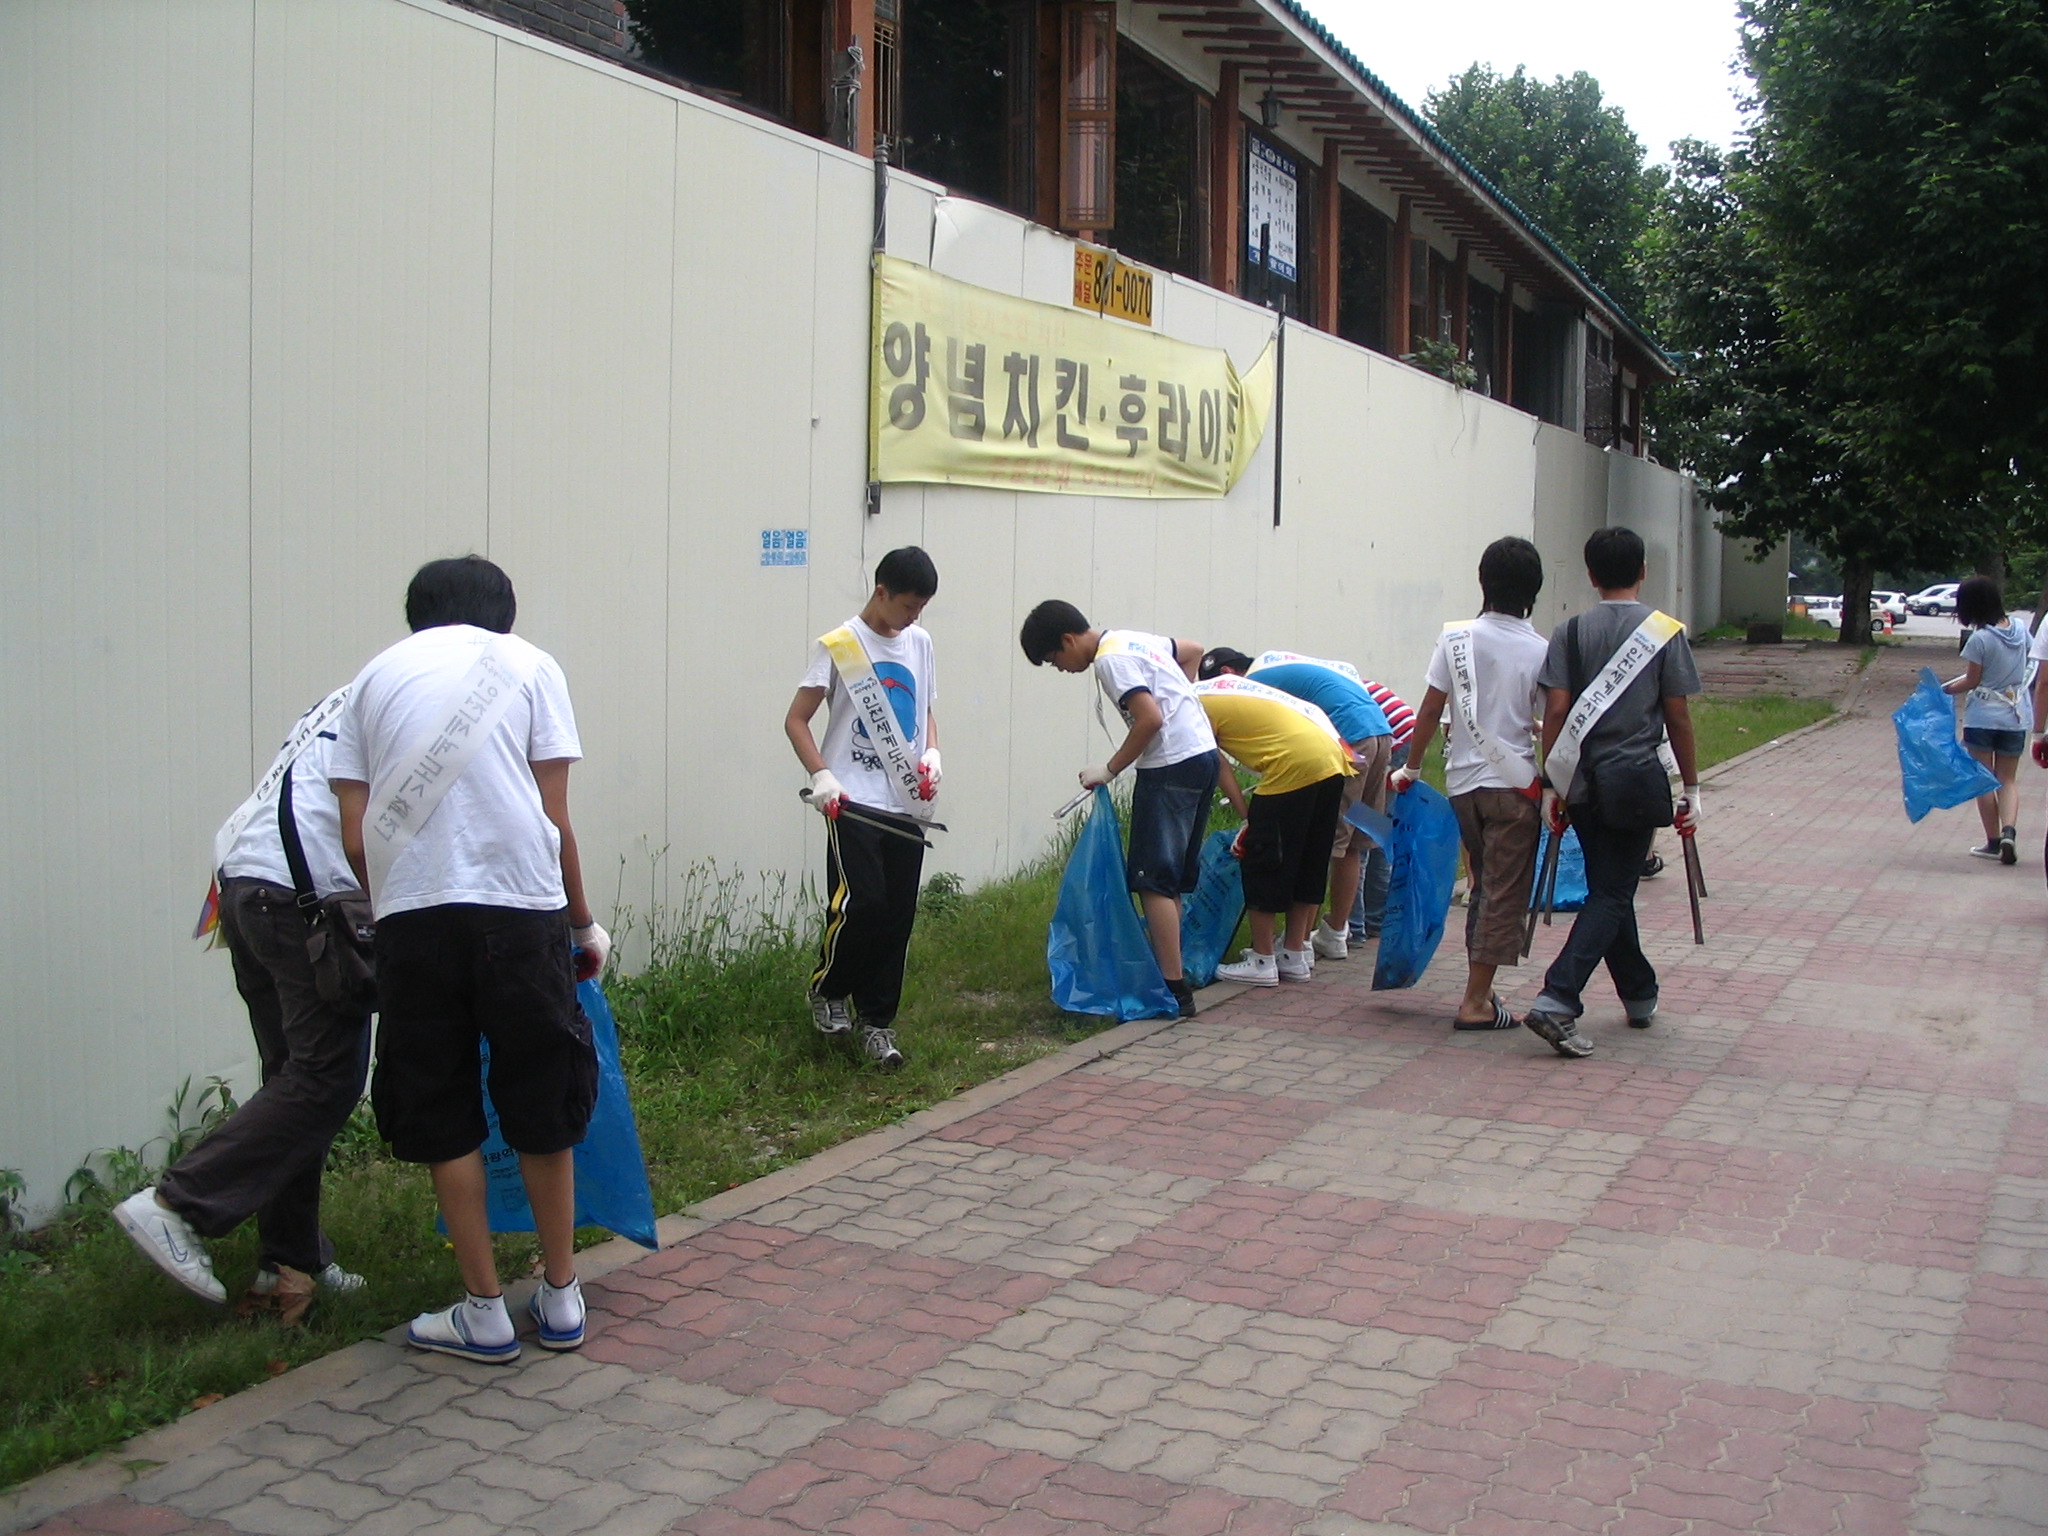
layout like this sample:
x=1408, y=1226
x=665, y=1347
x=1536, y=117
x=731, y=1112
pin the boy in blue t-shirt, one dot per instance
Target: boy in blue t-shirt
x=1336, y=689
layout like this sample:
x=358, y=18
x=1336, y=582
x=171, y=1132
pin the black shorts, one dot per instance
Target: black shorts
x=452, y=976
x=1287, y=845
x=1169, y=818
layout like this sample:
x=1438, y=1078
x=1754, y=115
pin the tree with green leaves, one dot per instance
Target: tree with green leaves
x=1900, y=187
x=1564, y=157
x=1755, y=415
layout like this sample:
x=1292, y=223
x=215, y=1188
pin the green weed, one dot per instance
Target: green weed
x=1724, y=727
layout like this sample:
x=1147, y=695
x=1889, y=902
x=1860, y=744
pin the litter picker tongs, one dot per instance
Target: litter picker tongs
x=1072, y=805
x=1543, y=900
x=877, y=823
x=1695, y=881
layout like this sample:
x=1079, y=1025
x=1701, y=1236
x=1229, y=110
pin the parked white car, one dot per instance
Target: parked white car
x=1828, y=611
x=1893, y=603
x=1939, y=598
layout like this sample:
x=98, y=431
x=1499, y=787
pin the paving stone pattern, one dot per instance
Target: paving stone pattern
x=1314, y=1263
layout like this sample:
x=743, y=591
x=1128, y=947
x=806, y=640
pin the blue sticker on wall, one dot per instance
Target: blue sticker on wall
x=785, y=546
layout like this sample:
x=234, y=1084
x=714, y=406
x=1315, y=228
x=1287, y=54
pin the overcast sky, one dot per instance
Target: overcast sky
x=1666, y=63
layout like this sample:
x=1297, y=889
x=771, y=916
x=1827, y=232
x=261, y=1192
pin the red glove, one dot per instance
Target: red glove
x=1556, y=815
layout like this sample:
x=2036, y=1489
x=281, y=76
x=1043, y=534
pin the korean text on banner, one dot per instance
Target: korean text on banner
x=973, y=387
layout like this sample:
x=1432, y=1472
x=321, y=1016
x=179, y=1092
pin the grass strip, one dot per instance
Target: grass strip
x=1724, y=728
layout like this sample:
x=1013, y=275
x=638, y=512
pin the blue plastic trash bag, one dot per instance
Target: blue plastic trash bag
x=611, y=1175
x=1100, y=959
x=1423, y=862
x=1571, y=872
x=1209, y=918
x=1934, y=770
x=1377, y=825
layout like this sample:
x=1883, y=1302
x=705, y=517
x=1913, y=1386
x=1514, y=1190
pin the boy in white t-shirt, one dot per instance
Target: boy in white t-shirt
x=1486, y=670
x=1150, y=679
x=482, y=930
x=873, y=780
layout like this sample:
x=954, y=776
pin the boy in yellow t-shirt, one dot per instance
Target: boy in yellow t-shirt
x=1290, y=821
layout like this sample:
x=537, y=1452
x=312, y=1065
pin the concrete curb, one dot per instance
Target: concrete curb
x=106, y=1473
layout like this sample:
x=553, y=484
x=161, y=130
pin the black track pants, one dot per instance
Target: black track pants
x=871, y=881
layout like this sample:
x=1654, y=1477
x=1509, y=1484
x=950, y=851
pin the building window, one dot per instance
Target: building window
x=1599, y=388
x=1088, y=116
x=1482, y=320
x=1364, y=237
x=1161, y=170
x=738, y=50
x=1419, y=327
x=1540, y=343
x=957, y=58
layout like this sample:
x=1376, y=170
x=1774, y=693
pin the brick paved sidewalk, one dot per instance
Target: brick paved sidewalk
x=1313, y=1263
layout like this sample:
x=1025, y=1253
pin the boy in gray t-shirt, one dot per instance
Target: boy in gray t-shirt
x=1615, y=837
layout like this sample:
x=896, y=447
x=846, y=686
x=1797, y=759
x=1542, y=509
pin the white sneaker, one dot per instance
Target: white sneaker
x=1297, y=964
x=1329, y=943
x=831, y=1015
x=170, y=1242
x=332, y=1278
x=879, y=1046
x=1255, y=969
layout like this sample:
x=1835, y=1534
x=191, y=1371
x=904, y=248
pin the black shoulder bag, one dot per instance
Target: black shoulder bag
x=341, y=929
x=1628, y=789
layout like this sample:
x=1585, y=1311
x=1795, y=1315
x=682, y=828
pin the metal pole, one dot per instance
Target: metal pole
x=1279, y=407
x=874, y=490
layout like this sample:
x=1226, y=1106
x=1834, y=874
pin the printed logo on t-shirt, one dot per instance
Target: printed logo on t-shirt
x=900, y=687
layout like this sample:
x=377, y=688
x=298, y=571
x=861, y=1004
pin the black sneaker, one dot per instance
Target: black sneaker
x=2008, y=846
x=1562, y=1033
x=1184, y=995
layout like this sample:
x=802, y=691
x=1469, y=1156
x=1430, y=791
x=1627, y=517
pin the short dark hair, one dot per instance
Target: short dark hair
x=1614, y=558
x=1979, y=601
x=1046, y=628
x=1510, y=576
x=1224, y=659
x=465, y=590
x=908, y=569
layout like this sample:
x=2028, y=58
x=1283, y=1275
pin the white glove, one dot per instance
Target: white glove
x=1399, y=780
x=826, y=793
x=1096, y=777
x=928, y=774
x=596, y=945
x=1689, y=812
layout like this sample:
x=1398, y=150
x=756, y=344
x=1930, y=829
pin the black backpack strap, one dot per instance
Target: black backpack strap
x=294, y=849
x=1573, y=662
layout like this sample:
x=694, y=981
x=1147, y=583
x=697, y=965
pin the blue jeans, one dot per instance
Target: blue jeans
x=1605, y=929
x=1369, y=911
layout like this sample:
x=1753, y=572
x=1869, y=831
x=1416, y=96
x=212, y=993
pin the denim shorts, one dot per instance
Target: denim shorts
x=1989, y=739
x=1169, y=815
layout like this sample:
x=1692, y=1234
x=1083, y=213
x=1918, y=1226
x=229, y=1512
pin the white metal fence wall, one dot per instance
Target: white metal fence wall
x=295, y=294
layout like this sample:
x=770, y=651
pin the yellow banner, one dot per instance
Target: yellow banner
x=974, y=387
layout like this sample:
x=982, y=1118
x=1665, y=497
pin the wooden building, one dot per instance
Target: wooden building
x=1235, y=142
